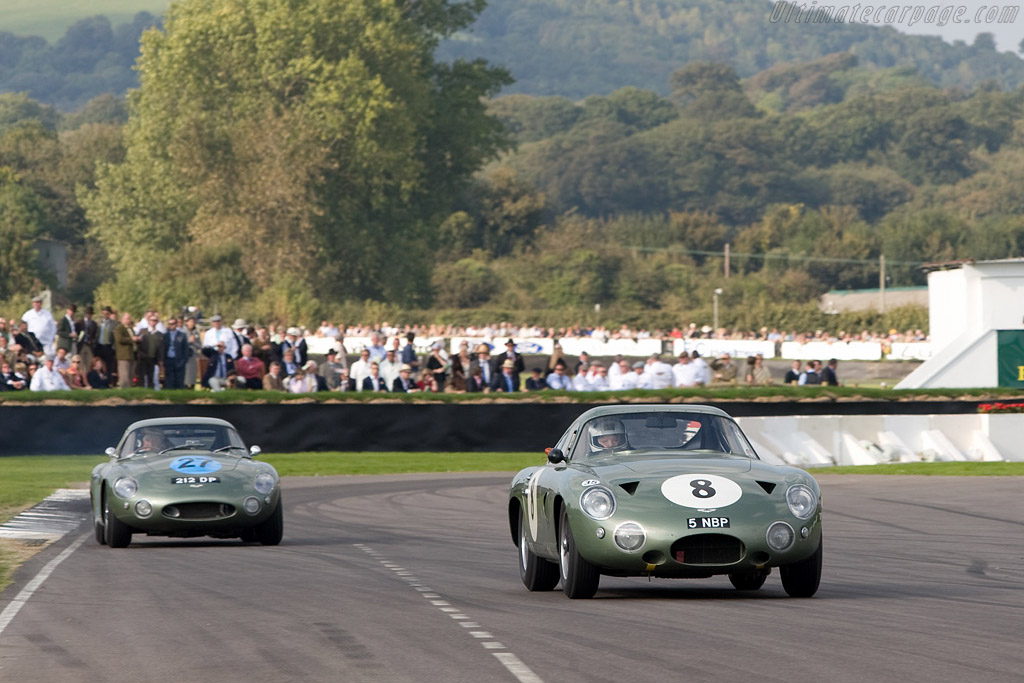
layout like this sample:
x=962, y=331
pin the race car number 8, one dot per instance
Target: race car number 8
x=701, y=490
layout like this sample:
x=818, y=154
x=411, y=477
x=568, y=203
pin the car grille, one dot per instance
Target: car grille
x=708, y=549
x=199, y=511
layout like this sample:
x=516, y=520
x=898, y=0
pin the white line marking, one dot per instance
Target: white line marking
x=15, y=605
x=516, y=667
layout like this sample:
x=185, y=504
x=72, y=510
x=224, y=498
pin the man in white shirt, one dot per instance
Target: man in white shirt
x=598, y=381
x=41, y=323
x=218, y=334
x=558, y=380
x=389, y=368
x=360, y=370
x=48, y=379
x=376, y=348
x=684, y=373
x=621, y=377
x=701, y=369
x=660, y=372
x=643, y=378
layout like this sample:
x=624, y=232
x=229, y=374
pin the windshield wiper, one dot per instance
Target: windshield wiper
x=224, y=448
x=181, y=446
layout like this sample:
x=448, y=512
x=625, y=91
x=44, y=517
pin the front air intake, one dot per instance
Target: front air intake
x=708, y=549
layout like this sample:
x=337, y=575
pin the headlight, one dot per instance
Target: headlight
x=597, y=502
x=143, y=508
x=630, y=536
x=802, y=501
x=126, y=487
x=265, y=482
x=780, y=536
x=251, y=505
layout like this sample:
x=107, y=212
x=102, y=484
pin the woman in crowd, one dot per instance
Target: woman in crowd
x=75, y=374
x=301, y=383
x=98, y=377
x=437, y=363
x=460, y=366
x=427, y=381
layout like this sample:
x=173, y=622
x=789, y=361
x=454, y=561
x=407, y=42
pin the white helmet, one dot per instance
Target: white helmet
x=601, y=430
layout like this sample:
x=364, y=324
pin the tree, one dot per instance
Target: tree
x=319, y=136
x=21, y=221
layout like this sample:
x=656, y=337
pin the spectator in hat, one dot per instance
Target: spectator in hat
x=87, y=334
x=48, y=379
x=332, y=370
x=535, y=382
x=221, y=366
x=510, y=354
x=507, y=380
x=318, y=382
x=240, y=330
x=294, y=340
x=403, y=384
x=218, y=333
x=41, y=324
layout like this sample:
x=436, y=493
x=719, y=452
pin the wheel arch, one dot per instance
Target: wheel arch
x=514, y=506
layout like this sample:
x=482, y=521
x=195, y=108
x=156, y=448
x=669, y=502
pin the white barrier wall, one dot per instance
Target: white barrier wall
x=814, y=441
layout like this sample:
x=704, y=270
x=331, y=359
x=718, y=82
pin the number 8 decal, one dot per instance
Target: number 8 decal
x=701, y=490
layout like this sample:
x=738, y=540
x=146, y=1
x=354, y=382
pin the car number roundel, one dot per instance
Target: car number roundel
x=191, y=464
x=701, y=490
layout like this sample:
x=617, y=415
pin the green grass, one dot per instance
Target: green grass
x=723, y=393
x=322, y=464
x=947, y=469
x=51, y=18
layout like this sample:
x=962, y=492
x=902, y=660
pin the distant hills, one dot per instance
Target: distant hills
x=572, y=48
x=577, y=48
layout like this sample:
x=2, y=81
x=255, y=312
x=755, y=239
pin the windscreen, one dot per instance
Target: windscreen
x=638, y=433
x=204, y=437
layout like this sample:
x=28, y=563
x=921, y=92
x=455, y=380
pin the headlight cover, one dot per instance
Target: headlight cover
x=780, y=536
x=126, y=487
x=802, y=501
x=598, y=503
x=630, y=536
x=265, y=482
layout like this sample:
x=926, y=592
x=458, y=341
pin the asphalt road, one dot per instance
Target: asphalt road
x=414, y=578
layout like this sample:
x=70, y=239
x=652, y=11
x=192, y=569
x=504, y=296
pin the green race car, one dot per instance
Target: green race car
x=665, y=491
x=185, y=477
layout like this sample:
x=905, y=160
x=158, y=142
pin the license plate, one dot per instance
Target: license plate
x=707, y=523
x=195, y=480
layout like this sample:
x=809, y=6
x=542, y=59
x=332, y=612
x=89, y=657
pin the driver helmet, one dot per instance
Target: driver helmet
x=607, y=434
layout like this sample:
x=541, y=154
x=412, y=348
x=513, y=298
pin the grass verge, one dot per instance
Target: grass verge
x=946, y=469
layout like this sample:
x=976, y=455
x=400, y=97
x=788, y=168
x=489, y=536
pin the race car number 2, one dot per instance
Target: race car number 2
x=701, y=491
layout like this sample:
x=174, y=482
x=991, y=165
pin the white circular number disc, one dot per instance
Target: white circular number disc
x=701, y=491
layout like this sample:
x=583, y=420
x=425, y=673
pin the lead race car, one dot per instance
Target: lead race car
x=185, y=477
x=663, y=491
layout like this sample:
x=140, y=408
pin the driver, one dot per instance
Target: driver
x=607, y=435
x=153, y=441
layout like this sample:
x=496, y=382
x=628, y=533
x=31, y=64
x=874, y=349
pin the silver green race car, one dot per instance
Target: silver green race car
x=185, y=477
x=665, y=491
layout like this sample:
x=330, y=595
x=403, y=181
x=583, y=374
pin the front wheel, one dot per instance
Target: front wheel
x=537, y=573
x=271, y=531
x=116, y=533
x=800, y=580
x=579, y=577
x=749, y=580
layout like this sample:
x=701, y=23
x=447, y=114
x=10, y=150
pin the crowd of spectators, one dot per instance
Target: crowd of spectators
x=39, y=352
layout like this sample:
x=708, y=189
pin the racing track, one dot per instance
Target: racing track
x=414, y=578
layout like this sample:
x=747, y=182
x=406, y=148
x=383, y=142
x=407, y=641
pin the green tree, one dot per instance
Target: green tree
x=21, y=222
x=319, y=136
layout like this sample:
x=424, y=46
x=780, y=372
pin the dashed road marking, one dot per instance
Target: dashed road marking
x=515, y=666
x=15, y=605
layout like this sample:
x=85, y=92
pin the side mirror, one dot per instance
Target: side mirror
x=110, y=451
x=254, y=451
x=555, y=456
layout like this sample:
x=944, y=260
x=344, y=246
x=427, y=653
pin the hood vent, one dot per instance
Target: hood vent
x=629, y=487
x=767, y=486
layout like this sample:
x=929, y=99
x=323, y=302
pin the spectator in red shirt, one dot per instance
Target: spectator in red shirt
x=250, y=369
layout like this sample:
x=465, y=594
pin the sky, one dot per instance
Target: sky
x=960, y=21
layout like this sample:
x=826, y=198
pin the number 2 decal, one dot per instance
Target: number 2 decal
x=190, y=464
x=701, y=491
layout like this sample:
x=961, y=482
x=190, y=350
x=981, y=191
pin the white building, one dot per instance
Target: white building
x=976, y=318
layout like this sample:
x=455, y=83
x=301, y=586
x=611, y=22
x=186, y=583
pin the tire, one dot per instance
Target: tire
x=801, y=579
x=579, y=577
x=98, y=528
x=537, y=573
x=116, y=533
x=248, y=536
x=749, y=580
x=271, y=531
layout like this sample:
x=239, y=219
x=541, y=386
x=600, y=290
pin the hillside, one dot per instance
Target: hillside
x=574, y=49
